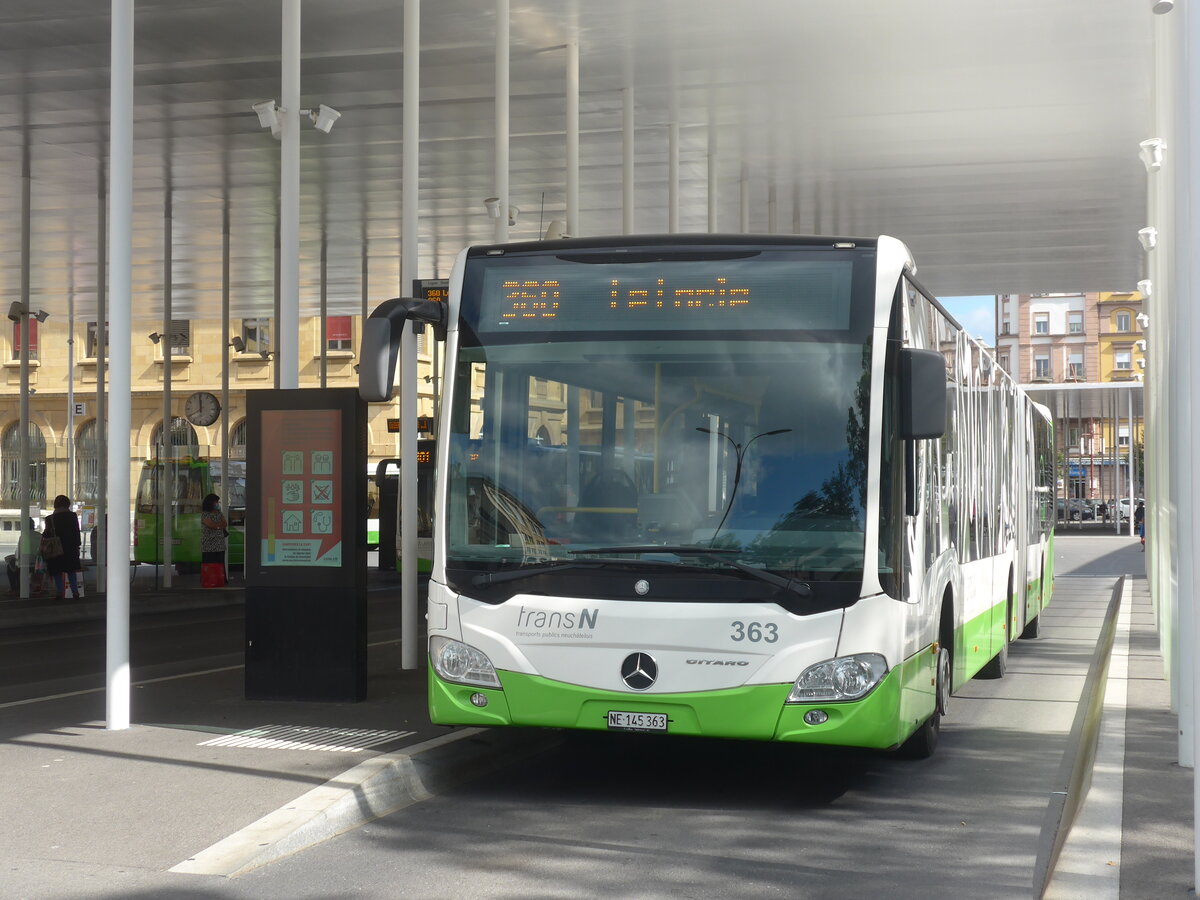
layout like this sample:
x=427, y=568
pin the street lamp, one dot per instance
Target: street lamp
x=739, y=451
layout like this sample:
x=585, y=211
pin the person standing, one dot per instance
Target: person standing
x=64, y=525
x=1139, y=522
x=212, y=542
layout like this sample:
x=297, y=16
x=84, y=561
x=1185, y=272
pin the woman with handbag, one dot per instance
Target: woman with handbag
x=212, y=543
x=60, y=547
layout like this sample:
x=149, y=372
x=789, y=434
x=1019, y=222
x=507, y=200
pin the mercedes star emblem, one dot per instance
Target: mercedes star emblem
x=639, y=671
x=642, y=587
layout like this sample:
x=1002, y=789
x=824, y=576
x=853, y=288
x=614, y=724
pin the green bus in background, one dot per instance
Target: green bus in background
x=188, y=480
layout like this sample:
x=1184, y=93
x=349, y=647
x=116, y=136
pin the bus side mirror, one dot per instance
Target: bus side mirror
x=922, y=394
x=381, y=342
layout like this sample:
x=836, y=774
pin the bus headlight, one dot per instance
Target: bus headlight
x=461, y=663
x=843, y=678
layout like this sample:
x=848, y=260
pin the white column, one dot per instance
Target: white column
x=772, y=208
x=120, y=267
x=407, y=367
x=501, y=149
x=572, y=129
x=102, y=449
x=287, y=340
x=744, y=199
x=627, y=160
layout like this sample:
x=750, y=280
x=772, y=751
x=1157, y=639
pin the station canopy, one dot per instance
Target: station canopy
x=998, y=140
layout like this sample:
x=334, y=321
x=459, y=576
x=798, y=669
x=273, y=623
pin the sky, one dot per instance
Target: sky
x=976, y=314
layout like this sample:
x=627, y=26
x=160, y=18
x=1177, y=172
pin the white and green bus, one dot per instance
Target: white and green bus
x=754, y=487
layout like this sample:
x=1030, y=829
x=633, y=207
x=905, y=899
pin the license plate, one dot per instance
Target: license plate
x=637, y=721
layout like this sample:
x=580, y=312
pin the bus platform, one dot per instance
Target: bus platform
x=207, y=785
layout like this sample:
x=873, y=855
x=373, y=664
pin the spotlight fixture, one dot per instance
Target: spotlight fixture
x=1162, y=7
x=1143, y=320
x=1146, y=287
x=268, y=115
x=1151, y=153
x=1149, y=237
x=238, y=345
x=41, y=315
x=323, y=117
x=155, y=337
x=16, y=310
x=493, y=207
x=513, y=212
x=266, y=354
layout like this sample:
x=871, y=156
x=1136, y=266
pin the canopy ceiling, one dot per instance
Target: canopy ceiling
x=999, y=140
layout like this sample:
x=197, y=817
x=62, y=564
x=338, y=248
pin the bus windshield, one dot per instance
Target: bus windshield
x=579, y=438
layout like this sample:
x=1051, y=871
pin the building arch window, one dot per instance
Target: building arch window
x=237, y=440
x=182, y=435
x=10, y=464
x=1123, y=320
x=87, y=464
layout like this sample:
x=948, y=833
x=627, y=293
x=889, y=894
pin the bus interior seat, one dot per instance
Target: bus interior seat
x=609, y=489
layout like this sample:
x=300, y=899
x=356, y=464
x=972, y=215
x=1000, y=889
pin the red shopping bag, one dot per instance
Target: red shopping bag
x=212, y=575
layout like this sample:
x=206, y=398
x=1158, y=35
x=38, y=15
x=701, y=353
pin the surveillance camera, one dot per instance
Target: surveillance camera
x=323, y=117
x=493, y=207
x=268, y=116
x=513, y=212
x=1148, y=236
x=1151, y=153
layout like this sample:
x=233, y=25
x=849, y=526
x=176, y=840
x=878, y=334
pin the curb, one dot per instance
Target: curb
x=372, y=789
x=51, y=612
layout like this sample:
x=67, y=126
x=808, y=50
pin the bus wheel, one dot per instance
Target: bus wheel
x=922, y=742
x=998, y=664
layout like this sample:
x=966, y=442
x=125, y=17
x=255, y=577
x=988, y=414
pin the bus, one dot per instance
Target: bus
x=791, y=499
x=385, y=535
x=190, y=479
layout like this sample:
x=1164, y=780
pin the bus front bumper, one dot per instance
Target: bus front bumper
x=753, y=712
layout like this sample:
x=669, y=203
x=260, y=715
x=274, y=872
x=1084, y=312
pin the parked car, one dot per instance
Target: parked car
x=1123, y=506
x=1076, y=509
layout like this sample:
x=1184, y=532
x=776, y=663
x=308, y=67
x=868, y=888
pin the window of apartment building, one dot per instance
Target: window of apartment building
x=1122, y=319
x=238, y=438
x=87, y=464
x=32, y=324
x=1123, y=437
x=1075, y=366
x=1041, y=323
x=339, y=333
x=1004, y=361
x=256, y=335
x=182, y=434
x=92, y=339
x=1123, y=359
x=180, y=336
x=1005, y=328
x=1074, y=437
x=10, y=465
x=1041, y=367
x=1075, y=323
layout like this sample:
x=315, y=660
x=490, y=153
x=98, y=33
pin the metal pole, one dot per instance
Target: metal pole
x=24, y=482
x=102, y=451
x=744, y=199
x=627, y=159
x=673, y=177
x=226, y=479
x=572, y=127
x=277, y=311
x=1132, y=486
x=287, y=344
x=71, y=395
x=325, y=313
x=166, y=341
x=772, y=208
x=120, y=265
x=502, y=90
x=410, y=200
x=712, y=170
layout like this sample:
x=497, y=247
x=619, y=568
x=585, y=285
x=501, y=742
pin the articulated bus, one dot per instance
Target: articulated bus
x=755, y=487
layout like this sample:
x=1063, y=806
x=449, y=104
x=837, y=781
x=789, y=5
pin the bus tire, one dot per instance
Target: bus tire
x=922, y=743
x=998, y=664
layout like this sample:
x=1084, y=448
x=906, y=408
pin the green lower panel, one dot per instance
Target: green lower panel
x=756, y=712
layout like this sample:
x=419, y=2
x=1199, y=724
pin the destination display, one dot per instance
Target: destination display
x=552, y=294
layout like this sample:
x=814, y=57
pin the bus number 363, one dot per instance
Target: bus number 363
x=754, y=632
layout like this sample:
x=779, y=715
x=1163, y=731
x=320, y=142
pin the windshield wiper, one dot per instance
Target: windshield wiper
x=530, y=571
x=799, y=588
